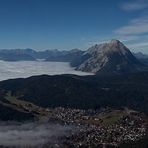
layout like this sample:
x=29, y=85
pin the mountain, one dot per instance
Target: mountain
x=65, y=56
x=48, y=55
x=110, y=58
x=45, y=54
x=16, y=55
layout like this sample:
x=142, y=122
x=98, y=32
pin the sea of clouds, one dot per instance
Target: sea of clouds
x=23, y=69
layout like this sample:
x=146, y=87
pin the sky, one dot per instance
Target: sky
x=68, y=24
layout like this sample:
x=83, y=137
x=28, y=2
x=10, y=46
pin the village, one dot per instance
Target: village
x=100, y=128
x=92, y=128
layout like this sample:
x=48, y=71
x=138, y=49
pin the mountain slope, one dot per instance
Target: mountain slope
x=110, y=58
x=82, y=92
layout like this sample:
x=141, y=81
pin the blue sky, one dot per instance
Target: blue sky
x=67, y=24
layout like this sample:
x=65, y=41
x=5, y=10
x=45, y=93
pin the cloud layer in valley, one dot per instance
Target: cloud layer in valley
x=23, y=69
x=31, y=134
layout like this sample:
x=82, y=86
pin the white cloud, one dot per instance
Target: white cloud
x=135, y=5
x=135, y=27
x=138, y=45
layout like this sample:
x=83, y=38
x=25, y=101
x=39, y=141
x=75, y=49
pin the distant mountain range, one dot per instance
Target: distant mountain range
x=108, y=58
x=16, y=55
x=32, y=55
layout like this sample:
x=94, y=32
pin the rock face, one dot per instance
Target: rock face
x=110, y=58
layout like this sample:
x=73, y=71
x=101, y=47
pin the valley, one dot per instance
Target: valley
x=105, y=127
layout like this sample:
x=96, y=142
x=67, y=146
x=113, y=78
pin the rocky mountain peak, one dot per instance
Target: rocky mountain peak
x=114, y=41
x=109, y=48
x=111, y=57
